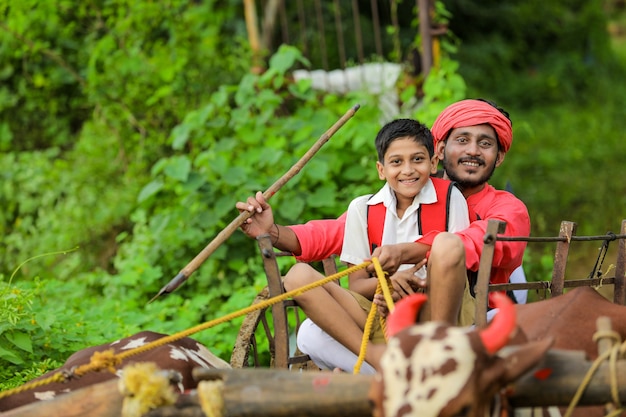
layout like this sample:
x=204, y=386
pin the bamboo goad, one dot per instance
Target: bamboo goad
x=195, y=263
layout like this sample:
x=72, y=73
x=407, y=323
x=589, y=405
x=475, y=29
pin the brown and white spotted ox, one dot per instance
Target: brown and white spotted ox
x=433, y=369
x=179, y=357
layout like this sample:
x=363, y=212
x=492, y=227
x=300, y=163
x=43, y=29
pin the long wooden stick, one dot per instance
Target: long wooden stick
x=192, y=266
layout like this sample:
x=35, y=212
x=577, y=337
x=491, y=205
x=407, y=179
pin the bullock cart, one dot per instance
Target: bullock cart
x=275, y=327
x=277, y=391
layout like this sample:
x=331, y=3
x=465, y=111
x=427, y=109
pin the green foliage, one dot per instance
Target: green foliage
x=98, y=86
x=15, y=306
x=34, y=336
x=443, y=86
x=572, y=148
x=531, y=52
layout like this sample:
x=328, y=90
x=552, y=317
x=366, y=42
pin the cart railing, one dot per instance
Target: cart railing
x=558, y=283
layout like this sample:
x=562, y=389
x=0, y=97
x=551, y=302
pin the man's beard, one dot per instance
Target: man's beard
x=466, y=183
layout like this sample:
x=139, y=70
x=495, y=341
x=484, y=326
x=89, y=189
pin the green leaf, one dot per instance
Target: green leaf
x=291, y=210
x=354, y=172
x=323, y=196
x=180, y=135
x=178, y=168
x=45, y=320
x=10, y=355
x=317, y=169
x=160, y=93
x=149, y=190
x=284, y=58
x=21, y=340
x=235, y=176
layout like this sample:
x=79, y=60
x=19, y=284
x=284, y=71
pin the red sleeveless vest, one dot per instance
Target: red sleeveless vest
x=430, y=217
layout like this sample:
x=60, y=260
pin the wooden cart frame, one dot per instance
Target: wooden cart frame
x=279, y=329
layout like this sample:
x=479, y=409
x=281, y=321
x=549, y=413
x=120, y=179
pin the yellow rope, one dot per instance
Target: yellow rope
x=108, y=360
x=366, y=334
x=384, y=283
x=613, y=354
x=382, y=286
x=58, y=377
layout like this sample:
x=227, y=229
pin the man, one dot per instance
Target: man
x=471, y=138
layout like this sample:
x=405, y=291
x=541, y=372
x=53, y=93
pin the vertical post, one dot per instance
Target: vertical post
x=568, y=229
x=358, y=34
x=603, y=325
x=253, y=35
x=619, y=294
x=484, y=270
x=423, y=7
x=269, y=21
x=376, y=24
x=322, y=35
x=279, y=315
x=341, y=43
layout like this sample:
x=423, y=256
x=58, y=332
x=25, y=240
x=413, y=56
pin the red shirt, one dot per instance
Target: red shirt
x=320, y=239
x=492, y=204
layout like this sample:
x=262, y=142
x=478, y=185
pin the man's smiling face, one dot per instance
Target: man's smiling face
x=470, y=155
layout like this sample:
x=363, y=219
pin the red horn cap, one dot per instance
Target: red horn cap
x=404, y=313
x=500, y=330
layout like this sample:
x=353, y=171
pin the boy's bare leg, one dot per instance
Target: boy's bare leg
x=446, y=279
x=334, y=310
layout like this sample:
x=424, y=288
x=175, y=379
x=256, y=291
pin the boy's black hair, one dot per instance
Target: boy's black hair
x=403, y=128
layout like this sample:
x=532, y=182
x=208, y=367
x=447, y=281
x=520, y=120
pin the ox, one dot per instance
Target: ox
x=178, y=358
x=433, y=369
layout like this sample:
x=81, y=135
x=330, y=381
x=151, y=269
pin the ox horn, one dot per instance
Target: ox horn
x=404, y=313
x=497, y=334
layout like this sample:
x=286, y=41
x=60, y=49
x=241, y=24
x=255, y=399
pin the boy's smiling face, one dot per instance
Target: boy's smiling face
x=406, y=167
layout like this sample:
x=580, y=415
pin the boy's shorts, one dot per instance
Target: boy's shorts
x=377, y=334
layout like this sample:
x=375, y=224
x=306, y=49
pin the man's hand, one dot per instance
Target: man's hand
x=392, y=256
x=389, y=257
x=262, y=218
x=403, y=283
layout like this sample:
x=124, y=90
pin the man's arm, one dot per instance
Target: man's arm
x=507, y=255
x=495, y=205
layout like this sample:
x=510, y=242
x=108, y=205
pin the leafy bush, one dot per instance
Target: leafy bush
x=531, y=53
x=89, y=94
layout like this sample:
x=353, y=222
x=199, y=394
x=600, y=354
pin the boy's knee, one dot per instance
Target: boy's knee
x=448, y=246
x=299, y=275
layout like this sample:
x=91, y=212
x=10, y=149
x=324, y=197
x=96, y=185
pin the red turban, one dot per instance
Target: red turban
x=471, y=113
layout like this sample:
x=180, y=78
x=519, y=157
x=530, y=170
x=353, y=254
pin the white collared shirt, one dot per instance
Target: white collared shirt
x=356, y=242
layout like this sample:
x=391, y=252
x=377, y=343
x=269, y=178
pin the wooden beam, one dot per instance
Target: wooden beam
x=423, y=10
x=568, y=229
x=99, y=400
x=279, y=393
x=619, y=295
x=271, y=392
x=481, y=288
